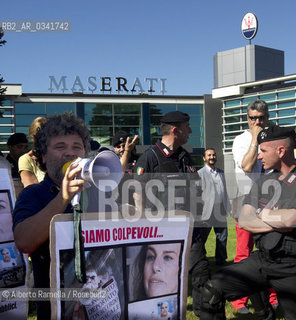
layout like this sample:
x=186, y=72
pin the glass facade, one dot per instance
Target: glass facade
x=104, y=119
x=6, y=123
x=281, y=106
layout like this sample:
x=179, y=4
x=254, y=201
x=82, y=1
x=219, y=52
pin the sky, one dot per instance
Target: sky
x=163, y=39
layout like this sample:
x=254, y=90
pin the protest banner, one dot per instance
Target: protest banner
x=13, y=264
x=136, y=267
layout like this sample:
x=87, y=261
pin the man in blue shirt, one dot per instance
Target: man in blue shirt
x=63, y=138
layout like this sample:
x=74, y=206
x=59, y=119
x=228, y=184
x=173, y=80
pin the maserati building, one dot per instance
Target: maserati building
x=105, y=114
x=240, y=76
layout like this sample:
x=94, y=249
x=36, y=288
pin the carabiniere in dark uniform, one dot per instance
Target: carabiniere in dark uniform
x=269, y=212
x=166, y=165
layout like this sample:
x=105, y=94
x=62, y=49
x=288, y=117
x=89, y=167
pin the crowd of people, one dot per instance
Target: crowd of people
x=264, y=208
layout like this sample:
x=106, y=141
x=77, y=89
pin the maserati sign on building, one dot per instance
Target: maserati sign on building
x=249, y=26
x=107, y=84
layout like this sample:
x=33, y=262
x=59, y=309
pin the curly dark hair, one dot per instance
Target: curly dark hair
x=59, y=125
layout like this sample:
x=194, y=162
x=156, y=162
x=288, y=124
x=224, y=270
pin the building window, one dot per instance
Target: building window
x=6, y=103
x=232, y=103
x=26, y=112
x=272, y=115
x=268, y=97
x=230, y=112
x=286, y=104
x=97, y=109
x=29, y=108
x=246, y=101
x=52, y=108
x=286, y=122
x=286, y=94
x=104, y=120
x=281, y=106
x=5, y=119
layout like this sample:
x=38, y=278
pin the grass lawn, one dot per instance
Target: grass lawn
x=210, y=246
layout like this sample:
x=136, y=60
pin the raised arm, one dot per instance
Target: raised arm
x=250, y=157
x=128, y=148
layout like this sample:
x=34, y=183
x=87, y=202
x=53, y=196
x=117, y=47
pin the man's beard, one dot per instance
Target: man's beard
x=119, y=154
x=54, y=168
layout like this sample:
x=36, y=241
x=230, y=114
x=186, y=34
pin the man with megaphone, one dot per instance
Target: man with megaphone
x=63, y=138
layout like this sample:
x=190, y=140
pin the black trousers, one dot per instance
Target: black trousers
x=258, y=273
x=198, y=268
x=221, y=242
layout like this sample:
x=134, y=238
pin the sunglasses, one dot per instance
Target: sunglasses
x=260, y=118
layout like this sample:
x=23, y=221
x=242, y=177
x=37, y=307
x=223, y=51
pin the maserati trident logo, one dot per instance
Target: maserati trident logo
x=249, y=26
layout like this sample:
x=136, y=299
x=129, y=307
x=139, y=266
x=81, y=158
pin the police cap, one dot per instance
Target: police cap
x=119, y=137
x=94, y=145
x=174, y=117
x=276, y=133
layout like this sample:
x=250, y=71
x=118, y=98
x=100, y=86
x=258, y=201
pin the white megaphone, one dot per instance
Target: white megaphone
x=104, y=172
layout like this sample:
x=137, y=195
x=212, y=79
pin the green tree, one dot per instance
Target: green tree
x=2, y=90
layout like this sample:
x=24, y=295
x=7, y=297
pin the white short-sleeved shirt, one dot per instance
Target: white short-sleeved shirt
x=240, y=147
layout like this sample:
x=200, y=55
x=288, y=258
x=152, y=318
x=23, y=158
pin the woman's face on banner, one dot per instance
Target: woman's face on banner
x=5, y=218
x=161, y=269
